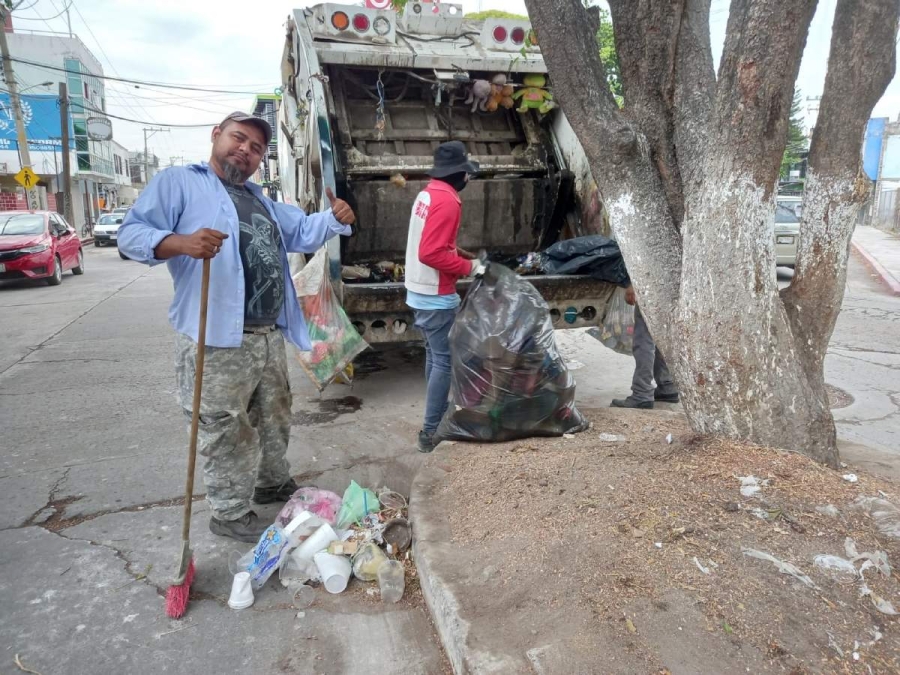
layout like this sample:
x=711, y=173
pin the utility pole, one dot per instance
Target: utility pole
x=34, y=199
x=68, y=212
x=152, y=130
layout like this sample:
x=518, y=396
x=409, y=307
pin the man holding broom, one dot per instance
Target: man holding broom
x=211, y=211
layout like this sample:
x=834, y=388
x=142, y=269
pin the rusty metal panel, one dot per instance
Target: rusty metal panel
x=498, y=215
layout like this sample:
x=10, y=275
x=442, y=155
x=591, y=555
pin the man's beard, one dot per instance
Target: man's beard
x=233, y=175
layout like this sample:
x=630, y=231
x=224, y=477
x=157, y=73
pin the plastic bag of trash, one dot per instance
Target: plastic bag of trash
x=335, y=341
x=617, y=329
x=885, y=514
x=322, y=503
x=508, y=379
x=357, y=503
x=594, y=255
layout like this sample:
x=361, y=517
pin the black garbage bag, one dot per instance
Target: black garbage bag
x=595, y=255
x=508, y=379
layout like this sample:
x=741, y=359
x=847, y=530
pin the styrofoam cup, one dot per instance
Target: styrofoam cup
x=317, y=541
x=241, y=591
x=335, y=571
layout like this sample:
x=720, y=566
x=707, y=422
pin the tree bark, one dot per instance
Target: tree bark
x=688, y=173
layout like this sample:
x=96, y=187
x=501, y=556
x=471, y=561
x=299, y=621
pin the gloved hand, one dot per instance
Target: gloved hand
x=479, y=267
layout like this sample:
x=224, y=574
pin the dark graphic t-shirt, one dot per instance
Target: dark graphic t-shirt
x=260, y=248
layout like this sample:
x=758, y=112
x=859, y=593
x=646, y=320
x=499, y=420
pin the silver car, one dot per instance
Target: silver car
x=787, y=234
x=106, y=231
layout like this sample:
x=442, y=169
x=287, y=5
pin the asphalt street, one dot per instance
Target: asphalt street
x=93, y=463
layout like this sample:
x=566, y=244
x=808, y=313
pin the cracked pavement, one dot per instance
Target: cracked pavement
x=93, y=476
x=93, y=471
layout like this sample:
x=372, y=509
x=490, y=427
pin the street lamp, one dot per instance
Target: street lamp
x=34, y=86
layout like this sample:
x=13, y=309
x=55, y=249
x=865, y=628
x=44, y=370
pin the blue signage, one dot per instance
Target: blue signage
x=42, y=124
x=872, y=146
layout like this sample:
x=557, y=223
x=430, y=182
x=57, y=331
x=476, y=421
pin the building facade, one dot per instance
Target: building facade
x=265, y=106
x=41, y=61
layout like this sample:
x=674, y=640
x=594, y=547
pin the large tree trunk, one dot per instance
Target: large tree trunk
x=688, y=172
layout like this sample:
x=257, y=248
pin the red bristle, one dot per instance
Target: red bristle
x=177, y=596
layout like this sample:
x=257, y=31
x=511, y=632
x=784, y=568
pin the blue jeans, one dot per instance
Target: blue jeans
x=435, y=326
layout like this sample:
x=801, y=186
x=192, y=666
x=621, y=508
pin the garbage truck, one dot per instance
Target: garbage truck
x=368, y=94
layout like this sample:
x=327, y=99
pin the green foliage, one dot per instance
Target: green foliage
x=797, y=142
x=606, y=43
x=495, y=14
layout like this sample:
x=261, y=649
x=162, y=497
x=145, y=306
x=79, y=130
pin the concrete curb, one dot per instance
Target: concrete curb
x=87, y=240
x=432, y=544
x=889, y=279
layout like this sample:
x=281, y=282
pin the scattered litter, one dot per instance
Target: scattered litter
x=357, y=503
x=669, y=439
x=828, y=510
x=568, y=437
x=397, y=534
x=885, y=514
x=322, y=503
x=629, y=624
x=834, y=645
x=301, y=615
x=392, y=500
x=882, y=605
x=851, y=477
x=700, y=567
x=839, y=569
x=658, y=544
x=367, y=561
x=241, y=591
x=783, y=567
x=21, y=667
x=335, y=571
x=610, y=438
x=877, y=559
x=391, y=580
x=751, y=485
x=574, y=365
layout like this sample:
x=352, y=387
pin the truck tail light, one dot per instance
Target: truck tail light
x=381, y=25
x=361, y=23
x=500, y=34
x=340, y=20
x=518, y=36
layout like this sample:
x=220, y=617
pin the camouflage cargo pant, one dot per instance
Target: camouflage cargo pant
x=245, y=417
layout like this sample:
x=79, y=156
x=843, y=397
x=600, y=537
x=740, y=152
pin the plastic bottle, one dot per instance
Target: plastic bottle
x=391, y=580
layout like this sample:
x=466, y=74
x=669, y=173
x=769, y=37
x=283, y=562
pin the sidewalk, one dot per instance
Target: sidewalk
x=881, y=251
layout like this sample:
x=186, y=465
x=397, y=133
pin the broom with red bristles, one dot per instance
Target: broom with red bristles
x=179, y=592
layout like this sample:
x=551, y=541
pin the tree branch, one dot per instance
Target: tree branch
x=763, y=45
x=618, y=153
x=695, y=92
x=860, y=67
x=647, y=34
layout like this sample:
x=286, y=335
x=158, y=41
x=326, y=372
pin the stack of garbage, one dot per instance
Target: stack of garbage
x=508, y=379
x=320, y=538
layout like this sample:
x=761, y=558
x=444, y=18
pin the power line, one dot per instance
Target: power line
x=128, y=119
x=41, y=18
x=163, y=85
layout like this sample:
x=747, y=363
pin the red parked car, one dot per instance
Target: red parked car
x=38, y=245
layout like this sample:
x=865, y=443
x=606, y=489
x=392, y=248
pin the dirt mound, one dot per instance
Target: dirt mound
x=618, y=551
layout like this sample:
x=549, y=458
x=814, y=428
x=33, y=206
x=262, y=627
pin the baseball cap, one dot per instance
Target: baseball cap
x=258, y=122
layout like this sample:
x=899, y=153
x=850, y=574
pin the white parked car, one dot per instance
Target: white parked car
x=106, y=230
x=787, y=234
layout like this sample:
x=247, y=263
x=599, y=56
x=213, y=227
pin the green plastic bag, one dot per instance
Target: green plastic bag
x=358, y=503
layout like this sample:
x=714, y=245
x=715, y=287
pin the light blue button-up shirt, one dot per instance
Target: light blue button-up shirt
x=182, y=200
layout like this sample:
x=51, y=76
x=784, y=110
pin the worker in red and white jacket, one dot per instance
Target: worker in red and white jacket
x=434, y=263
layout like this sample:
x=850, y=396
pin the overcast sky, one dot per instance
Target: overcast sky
x=234, y=45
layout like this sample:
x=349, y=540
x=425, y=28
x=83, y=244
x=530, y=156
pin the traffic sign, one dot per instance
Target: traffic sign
x=27, y=178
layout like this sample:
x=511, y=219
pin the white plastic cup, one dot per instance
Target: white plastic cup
x=241, y=591
x=335, y=571
x=317, y=541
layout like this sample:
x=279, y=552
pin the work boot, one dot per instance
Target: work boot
x=276, y=493
x=631, y=402
x=671, y=397
x=426, y=442
x=247, y=528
